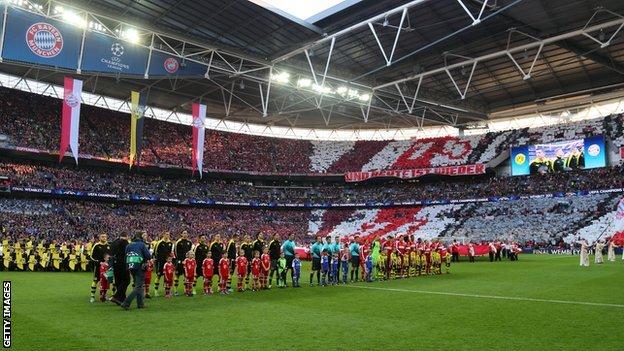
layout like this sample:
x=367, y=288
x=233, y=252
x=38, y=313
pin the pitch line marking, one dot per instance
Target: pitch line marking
x=511, y=298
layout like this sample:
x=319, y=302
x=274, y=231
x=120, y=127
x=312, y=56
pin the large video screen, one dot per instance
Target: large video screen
x=559, y=156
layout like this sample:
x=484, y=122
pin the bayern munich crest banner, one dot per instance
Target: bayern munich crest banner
x=416, y=173
x=199, y=131
x=36, y=39
x=70, y=124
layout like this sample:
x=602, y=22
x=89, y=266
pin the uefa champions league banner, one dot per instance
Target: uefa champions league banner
x=36, y=39
x=106, y=54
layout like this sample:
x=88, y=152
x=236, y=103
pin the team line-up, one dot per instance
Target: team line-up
x=256, y=262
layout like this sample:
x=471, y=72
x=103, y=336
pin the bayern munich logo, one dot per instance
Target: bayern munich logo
x=171, y=65
x=71, y=100
x=593, y=150
x=44, y=40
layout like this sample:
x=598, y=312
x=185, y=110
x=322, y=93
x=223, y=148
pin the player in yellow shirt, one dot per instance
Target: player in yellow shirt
x=447, y=262
x=436, y=261
x=422, y=262
x=381, y=266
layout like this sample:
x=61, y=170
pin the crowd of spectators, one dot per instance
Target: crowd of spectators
x=63, y=220
x=33, y=121
x=121, y=182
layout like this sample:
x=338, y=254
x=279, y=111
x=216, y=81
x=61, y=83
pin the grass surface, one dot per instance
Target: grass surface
x=51, y=312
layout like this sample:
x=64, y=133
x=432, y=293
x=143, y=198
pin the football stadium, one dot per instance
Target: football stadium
x=312, y=174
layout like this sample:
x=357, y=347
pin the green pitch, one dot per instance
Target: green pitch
x=538, y=303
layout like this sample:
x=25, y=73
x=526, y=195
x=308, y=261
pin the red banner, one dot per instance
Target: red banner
x=415, y=173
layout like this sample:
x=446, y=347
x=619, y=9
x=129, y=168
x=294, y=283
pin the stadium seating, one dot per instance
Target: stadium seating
x=123, y=183
x=31, y=120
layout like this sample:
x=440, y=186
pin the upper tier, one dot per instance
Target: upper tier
x=32, y=120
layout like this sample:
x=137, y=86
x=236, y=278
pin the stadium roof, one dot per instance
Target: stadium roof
x=467, y=60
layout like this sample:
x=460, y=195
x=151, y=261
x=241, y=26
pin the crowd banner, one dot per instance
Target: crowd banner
x=199, y=131
x=137, y=110
x=40, y=40
x=417, y=172
x=70, y=123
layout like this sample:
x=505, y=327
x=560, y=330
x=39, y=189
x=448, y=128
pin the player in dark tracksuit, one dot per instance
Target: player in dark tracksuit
x=162, y=251
x=247, y=247
x=231, y=255
x=181, y=247
x=98, y=251
x=258, y=244
x=216, y=251
x=201, y=252
x=275, y=247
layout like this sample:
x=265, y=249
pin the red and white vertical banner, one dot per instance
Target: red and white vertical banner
x=199, y=131
x=72, y=95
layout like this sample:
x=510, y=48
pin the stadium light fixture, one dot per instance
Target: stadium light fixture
x=282, y=77
x=131, y=35
x=96, y=26
x=58, y=9
x=321, y=89
x=364, y=97
x=304, y=82
x=74, y=19
x=342, y=90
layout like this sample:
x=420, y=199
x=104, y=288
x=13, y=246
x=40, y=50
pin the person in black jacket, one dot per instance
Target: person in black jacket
x=181, y=247
x=120, y=273
x=201, y=251
x=258, y=244
x=98, y=251
x=275, y=248
x=232, y=251
x=216, y=250
x=137, y=256
x=162, y=251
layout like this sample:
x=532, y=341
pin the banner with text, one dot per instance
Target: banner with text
x=415, y=173
x=44, y=41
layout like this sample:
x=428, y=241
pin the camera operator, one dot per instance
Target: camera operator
x=137, y=256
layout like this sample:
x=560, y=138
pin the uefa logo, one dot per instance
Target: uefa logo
x=171, y=65
x=71, y=100
x=44, y=40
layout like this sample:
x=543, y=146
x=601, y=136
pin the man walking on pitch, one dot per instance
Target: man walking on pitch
x=120, y=273
x=137, y=256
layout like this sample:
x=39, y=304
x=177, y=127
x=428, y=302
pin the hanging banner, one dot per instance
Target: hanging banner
x=110, y=55
x=72, y=96
x=415, y=173
x=36, y=39
x=162, y=64
x=199, y=131
x=137, y=111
